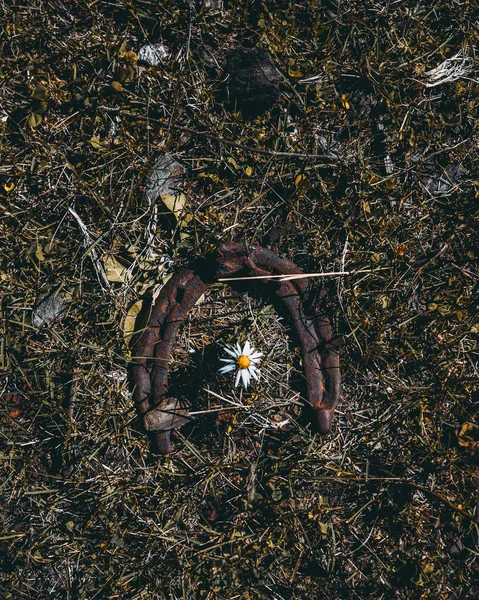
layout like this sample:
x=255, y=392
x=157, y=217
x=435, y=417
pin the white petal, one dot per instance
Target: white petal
x=254, y=372
x=255, y=355
x=226, y=369
x=238, y=347
x=232, y=352
x=247, y=348
x=238, y=375
x=228, y=360
x=245, y=376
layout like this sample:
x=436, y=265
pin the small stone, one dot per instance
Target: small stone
x=165, y=178
x=153, y=54
x=166, y=417
x=213, y=6
x=253, y=80
x=445, y=182
x=48, y=308
x=457, y=548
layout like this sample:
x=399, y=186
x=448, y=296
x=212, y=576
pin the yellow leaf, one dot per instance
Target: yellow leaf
x=466, y=430
x=40, y=93
x=248, y=171
x=211, y=176
x=323, y=528
x=131, y=57
x=299, y=179
x=34, y=120
x=122, y=50
x=296, y=73
x=176, y=204
x=95, y=142
x=128, y=325
x=428, y=568
x=390, y=183
x=114, y=270
x=39, y=254
x=8, y=187
x=116, y=85
x=232, y=162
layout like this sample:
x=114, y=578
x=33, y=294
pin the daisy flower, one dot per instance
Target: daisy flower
x=244, y=360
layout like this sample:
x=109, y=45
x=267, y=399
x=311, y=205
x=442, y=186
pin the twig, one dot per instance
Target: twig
x=425, y=490
x=87, y=242
x=330, y=158
x=450, y=70
x=299, y=275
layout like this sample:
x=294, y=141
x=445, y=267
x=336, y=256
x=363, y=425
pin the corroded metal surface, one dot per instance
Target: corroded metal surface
x=154, y=340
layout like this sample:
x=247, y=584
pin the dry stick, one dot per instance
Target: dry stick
x=327, y=157
x=301, y=275
x=461, y=511
x=100, y=273
x=425, y=490
x=271, y=260
x=441, y=250
x=285, y=277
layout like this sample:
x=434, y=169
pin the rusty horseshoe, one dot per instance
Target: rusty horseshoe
x=155, y=334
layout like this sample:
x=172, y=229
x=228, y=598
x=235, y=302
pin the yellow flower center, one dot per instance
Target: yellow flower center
x=243, y=361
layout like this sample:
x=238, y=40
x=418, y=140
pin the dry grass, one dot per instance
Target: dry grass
x=248, y=506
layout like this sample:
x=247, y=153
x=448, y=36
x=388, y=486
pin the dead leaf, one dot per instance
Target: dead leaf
x=39, y=254
x=163, y=183
x=466, y=438
x=299, y=179
x=95, y=142
x=130, y=57
x=128, y=325
x=467, y=430
x=40, y=92
x=34, y=120
x=114, y=270
x=176, y=204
